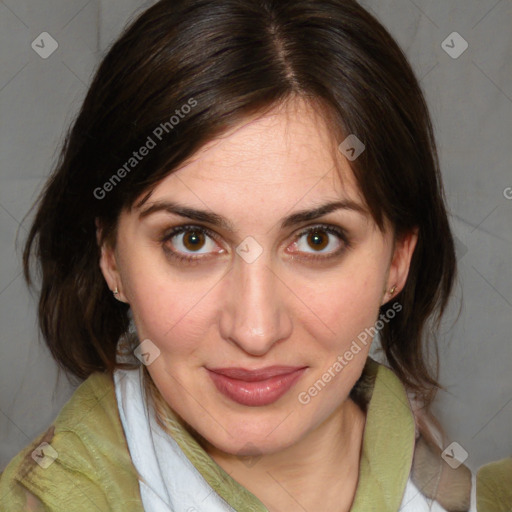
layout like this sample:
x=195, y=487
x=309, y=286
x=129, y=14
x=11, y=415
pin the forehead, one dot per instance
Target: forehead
x=285, y=156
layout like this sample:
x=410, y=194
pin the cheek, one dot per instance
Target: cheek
x=343, y=302
x=171, y=308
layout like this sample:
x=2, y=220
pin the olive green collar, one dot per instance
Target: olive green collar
x=387, y=451
x=388, y=444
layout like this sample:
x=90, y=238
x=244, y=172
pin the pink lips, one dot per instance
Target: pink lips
x=255, y=387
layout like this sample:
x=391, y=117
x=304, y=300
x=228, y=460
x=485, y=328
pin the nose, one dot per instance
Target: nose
x=255, y=314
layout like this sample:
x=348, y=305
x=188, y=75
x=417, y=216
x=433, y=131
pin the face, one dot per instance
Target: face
x=251, y=284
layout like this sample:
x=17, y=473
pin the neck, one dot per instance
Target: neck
x=319, y=472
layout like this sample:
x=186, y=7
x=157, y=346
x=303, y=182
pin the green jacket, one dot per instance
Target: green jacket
x=90, y=467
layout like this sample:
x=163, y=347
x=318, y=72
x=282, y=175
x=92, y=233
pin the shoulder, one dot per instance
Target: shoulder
x=494, y=485
x=81, y=462
x=443, y=480
x=437, y=480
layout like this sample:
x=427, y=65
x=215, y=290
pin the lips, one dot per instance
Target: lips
x=255, y=387
x=255, y=375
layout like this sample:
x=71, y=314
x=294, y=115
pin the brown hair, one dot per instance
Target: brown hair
x=233, y=59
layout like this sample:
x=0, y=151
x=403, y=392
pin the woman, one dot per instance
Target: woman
x=249, y=194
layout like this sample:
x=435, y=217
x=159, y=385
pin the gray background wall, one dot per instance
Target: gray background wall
x=471, y=104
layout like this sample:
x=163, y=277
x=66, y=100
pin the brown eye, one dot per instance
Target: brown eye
x=321, y=241
x=317, y=240
x=190, y=244
x=193, y=240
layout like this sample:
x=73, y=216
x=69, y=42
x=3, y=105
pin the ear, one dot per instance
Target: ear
x=400, y=264
x=108, y=265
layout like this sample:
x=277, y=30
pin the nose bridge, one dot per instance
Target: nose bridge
x=257, y=317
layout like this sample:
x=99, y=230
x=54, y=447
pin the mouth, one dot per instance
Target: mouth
x=255, y=387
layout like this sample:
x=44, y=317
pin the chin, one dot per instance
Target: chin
x=244, y=443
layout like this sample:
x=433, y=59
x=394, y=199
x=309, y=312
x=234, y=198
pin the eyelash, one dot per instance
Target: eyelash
x=192, y=260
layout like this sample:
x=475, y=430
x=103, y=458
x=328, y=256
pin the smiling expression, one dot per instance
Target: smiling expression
x=258, y=252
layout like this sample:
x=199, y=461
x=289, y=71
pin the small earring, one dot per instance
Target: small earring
x=392, y=290
x=116, y=292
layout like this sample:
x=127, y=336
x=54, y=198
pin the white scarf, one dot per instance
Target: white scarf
x=171, y=482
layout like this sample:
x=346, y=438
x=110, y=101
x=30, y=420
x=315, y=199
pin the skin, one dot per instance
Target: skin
x=282, y=308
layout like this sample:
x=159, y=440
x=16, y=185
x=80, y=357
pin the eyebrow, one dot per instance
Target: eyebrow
x=220, y=221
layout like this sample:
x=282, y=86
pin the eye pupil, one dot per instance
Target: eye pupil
x=318, y=239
